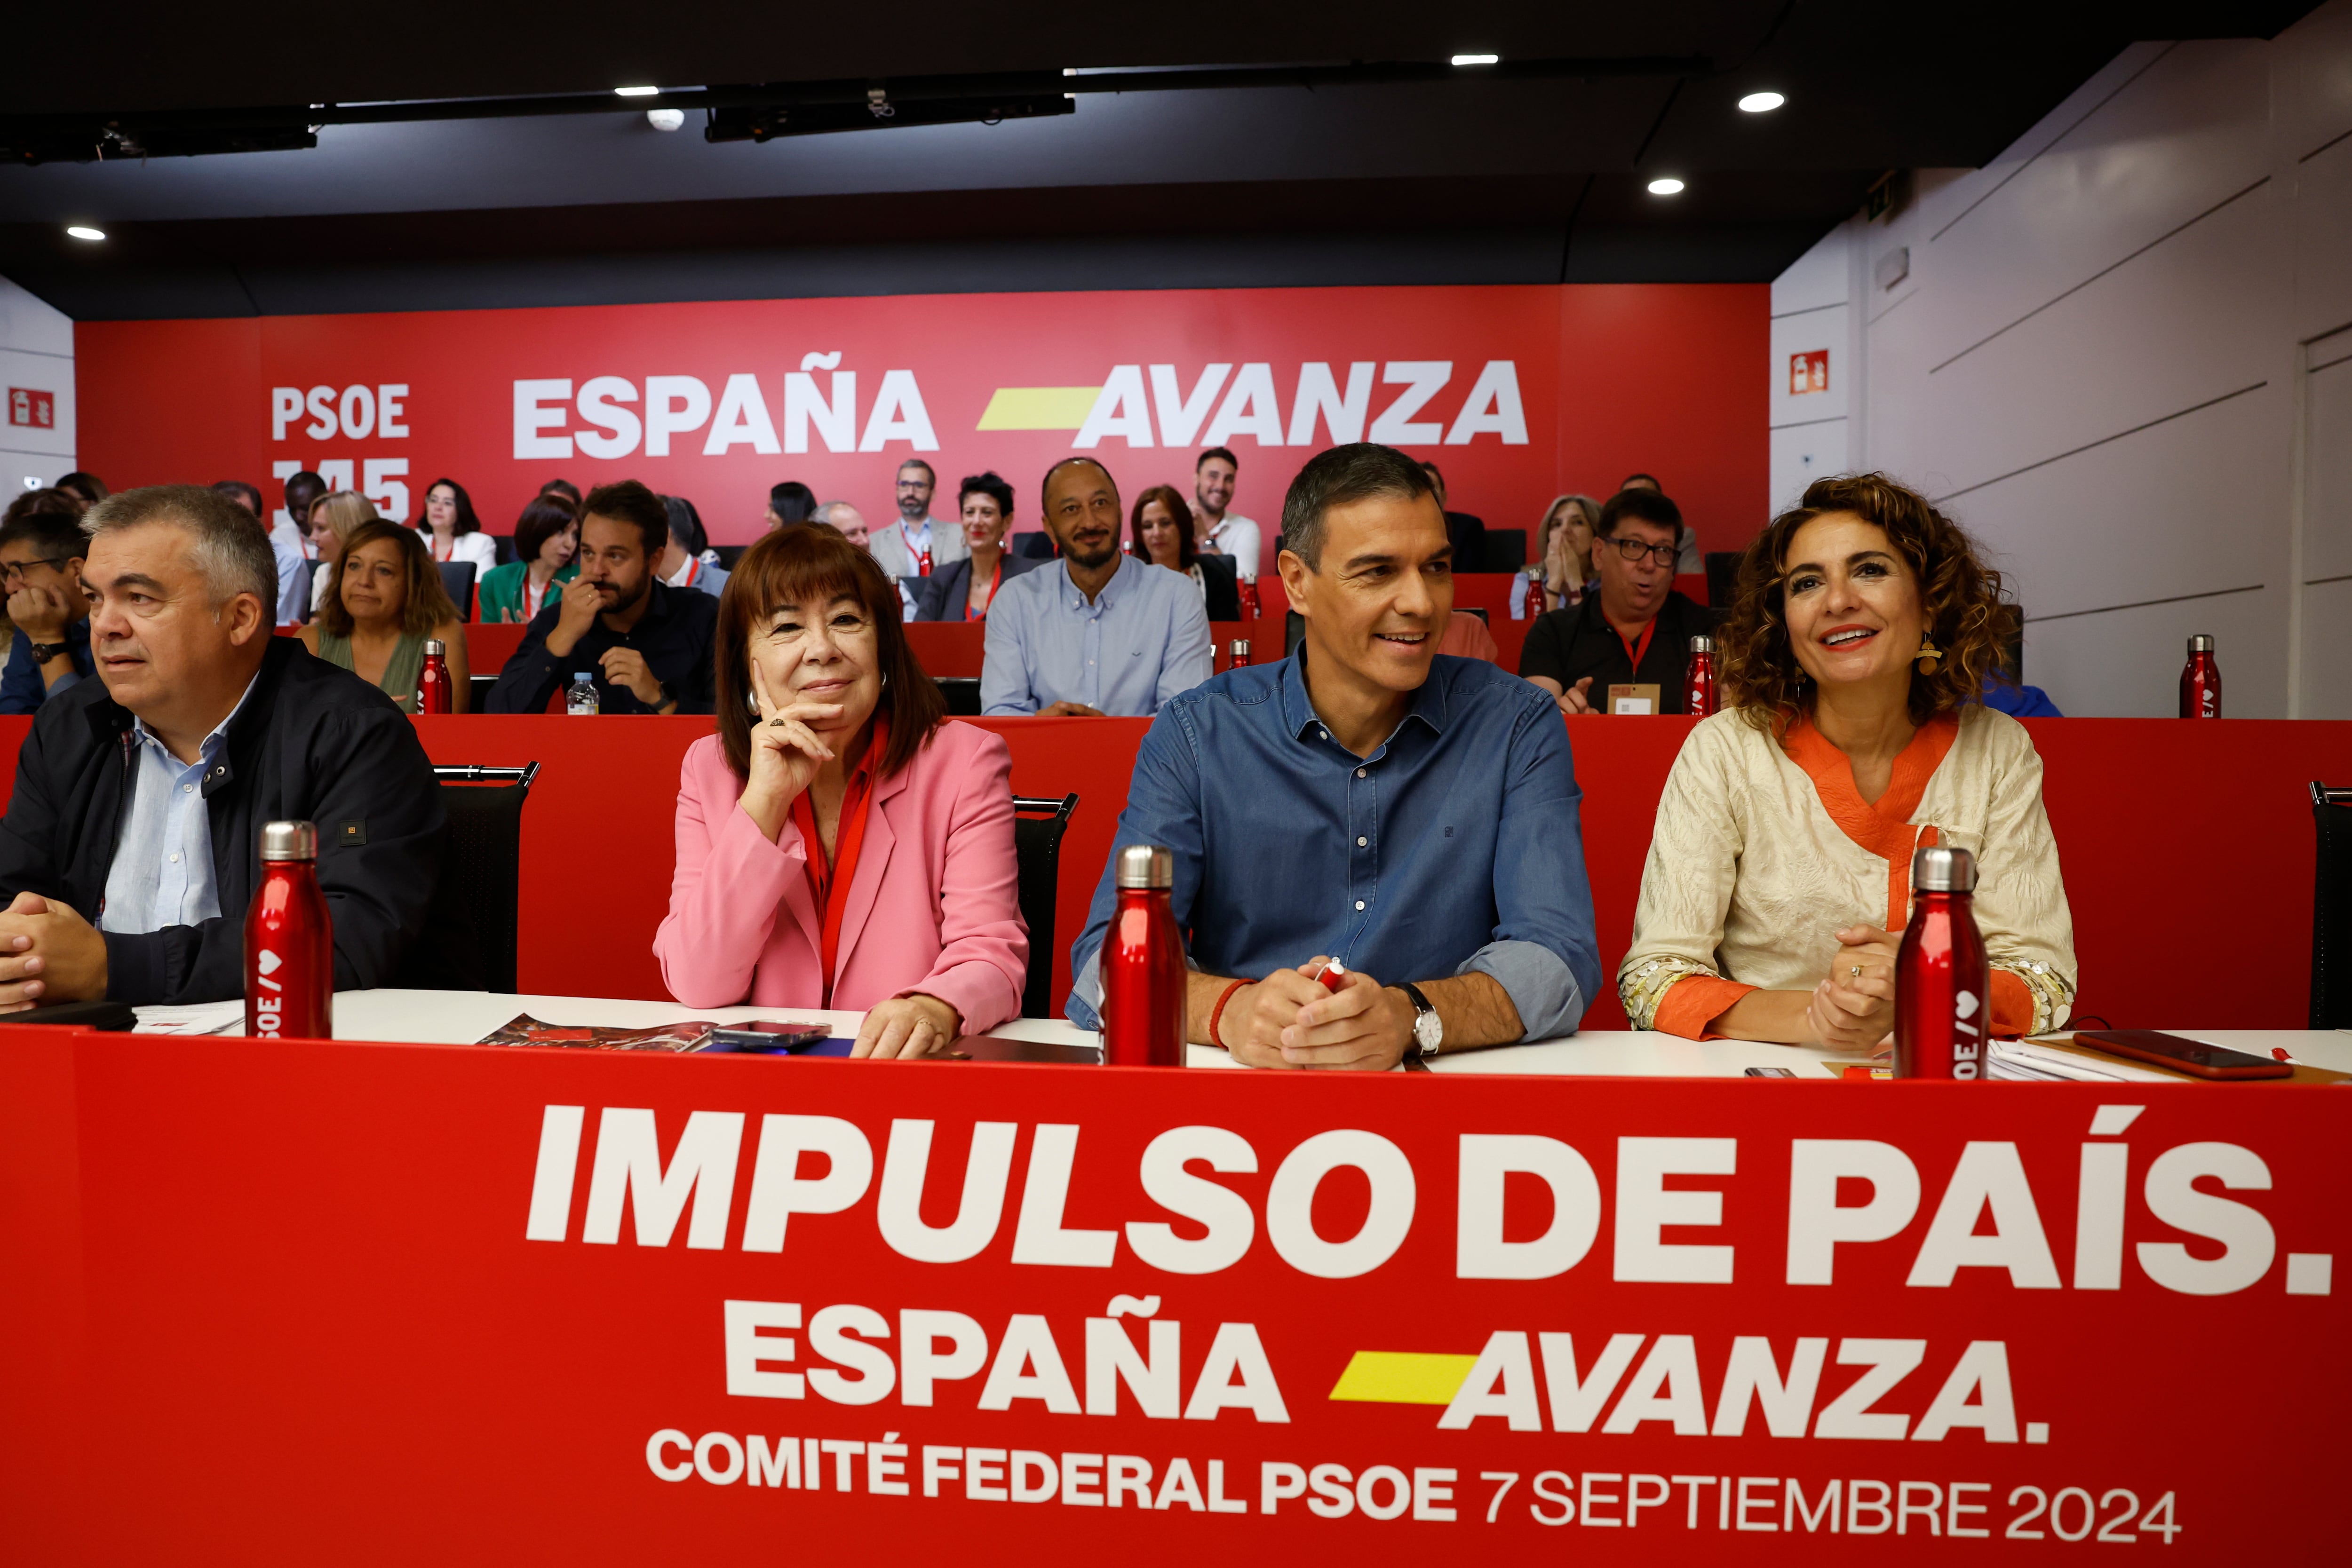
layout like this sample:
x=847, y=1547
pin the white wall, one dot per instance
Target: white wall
x=2122, y=358
x=36, y=353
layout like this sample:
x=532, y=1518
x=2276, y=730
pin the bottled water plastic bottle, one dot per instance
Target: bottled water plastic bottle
x=582, y=697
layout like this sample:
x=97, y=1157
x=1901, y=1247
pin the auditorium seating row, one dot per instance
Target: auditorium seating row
x=2186, y=848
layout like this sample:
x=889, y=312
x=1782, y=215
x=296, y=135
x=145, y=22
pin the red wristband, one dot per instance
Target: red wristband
x=1219, y=1011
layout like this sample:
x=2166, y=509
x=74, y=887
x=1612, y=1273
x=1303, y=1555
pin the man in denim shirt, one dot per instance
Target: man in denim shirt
x=41, y=553
x=1367, y=799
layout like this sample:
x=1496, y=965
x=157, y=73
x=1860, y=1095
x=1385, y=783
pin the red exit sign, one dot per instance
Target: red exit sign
x=37, y=409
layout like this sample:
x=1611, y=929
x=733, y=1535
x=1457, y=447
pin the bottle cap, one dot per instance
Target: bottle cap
x=1702, y=644
x=1940, y=868
x=1146, y=865
x=435, y=647
x=289, y=841
x=582, y=675
x=1240, y=646
x=2201, y=643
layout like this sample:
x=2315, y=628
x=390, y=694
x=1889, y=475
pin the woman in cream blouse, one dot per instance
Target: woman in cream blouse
x=1778, y=879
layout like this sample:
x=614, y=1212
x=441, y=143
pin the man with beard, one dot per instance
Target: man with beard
x=917, y=543
x=646, y=644
x=1099, y=631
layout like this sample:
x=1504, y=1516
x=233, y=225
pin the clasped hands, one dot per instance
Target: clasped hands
x=49, y=953
x=1852, y=1009
x=1289, y=1020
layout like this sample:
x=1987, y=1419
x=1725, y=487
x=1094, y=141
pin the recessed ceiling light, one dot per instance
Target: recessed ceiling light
x=1477, y=60
x=636, y=92
x=1667, y=186
x=666, y=119
x=83, y=230
x=1762, y=102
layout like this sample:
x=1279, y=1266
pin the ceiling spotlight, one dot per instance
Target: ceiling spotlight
x=1666, y=186
x=83, y=230
x=635, y=91
x=1762, y=102
x=665, y=119
x=1477, y=60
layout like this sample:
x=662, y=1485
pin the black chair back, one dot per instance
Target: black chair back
x=962, y=692
x=504, y=545
x=457, y=577
x=729, y=555
x=2331, y=910
x=472, y=923
x=1037, y=828
x=1722, y=577
x=482, y=694
x=1035, y=546
x=1506, y=550
x=1221, y=577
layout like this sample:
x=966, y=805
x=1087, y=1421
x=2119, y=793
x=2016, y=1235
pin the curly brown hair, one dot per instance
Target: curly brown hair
x=1960, y=595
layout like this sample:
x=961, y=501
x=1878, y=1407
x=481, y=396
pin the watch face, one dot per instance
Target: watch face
x=1427, y=1030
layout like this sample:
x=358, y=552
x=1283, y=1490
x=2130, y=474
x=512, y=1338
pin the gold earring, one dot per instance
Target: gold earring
x=1930, y=656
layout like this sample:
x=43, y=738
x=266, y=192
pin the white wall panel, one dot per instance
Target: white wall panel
x=1804, y=454
x=2126, y=664
x=37, y=353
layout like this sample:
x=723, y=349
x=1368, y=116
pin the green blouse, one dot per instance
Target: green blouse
x=498, y=596
x=399, y=672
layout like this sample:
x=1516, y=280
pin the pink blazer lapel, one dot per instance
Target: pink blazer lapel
x=799, y=902
x=873, y=864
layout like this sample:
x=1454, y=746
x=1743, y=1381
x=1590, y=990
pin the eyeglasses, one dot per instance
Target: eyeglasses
x=1634, y=549
x=914, y=484
x=14, y=568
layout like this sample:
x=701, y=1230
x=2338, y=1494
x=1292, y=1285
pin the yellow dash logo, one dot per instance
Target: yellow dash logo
x=1402, y=1377
x=1038, y=407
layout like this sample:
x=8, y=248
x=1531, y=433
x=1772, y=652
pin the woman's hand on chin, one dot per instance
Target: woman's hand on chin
x=906, y=1026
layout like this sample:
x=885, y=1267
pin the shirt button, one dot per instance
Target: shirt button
x=187, y=788
x=176, y=861
x=1361, y=842
x=1359, y=903
x=1360, y=773
x=1326, y=735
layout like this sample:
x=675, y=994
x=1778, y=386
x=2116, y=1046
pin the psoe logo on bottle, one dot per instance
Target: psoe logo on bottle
x=268, y=1009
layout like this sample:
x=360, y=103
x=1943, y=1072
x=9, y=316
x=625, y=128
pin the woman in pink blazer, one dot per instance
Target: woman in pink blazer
x=839, y=843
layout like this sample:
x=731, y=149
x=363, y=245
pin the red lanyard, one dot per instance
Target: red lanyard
x=693, y=570
x=830, y=886
x=995, y=583
x=1637, y=649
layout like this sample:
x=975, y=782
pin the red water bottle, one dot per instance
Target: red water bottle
x=1143, y=966
x=2201, y=681
x=1250, y=610
x=1942, y=984
x=432, y=681
x=1535, y=603
x=923, y=564
x=1698, y=692
x=1239, y=656
x=289, y=941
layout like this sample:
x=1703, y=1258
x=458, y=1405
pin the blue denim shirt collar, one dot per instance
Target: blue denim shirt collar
x=1298, y=715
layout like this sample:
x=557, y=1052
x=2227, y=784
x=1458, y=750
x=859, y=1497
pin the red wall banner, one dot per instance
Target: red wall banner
x=290, y=1301
x=1518, y=393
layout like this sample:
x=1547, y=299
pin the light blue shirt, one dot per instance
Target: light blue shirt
x=162, y=871
x=293, y=580
x=1143, y=639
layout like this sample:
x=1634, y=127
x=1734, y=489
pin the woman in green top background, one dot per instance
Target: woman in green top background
x=547, y=537
x=385, y=600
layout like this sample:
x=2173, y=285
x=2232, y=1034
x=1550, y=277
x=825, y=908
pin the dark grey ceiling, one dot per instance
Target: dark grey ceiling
x=1467, y=180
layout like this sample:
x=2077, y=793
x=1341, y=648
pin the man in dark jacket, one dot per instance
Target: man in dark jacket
x=1635, y=633
x=141, y=795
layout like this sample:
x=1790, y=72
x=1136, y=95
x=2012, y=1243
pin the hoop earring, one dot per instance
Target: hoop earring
x=751, y=705
x=886, y=680
x=1930, y=656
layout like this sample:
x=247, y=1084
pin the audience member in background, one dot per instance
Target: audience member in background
x=1215, y=530
x=1097, y=632
x=1564, y=546
x=1779, y=880
x=790, y=504
x=293, y=561
x=1161, y=531
x=141, y=795
x=847, y=520
x=646, y=644
x=1689, y=560
x=387, y=599
x=41, y=551
x=87, y=487
x=1467, y=637
x=840, y=844
x=451, y=529
x=333, y=519
x=1412, y=815
x=964, y=590
x=301, y=493
x=1635, y=631
x=547, y=537
x=687, y=561
x=563, y=487
x=917, y=543
x=1467, y=533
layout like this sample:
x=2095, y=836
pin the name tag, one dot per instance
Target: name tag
x=1634, y=699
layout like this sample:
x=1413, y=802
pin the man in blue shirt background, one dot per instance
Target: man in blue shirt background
x=41, y=555
x=1412, y=815
x=1098, y=632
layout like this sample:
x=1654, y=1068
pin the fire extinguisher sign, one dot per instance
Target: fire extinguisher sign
x=29, y=407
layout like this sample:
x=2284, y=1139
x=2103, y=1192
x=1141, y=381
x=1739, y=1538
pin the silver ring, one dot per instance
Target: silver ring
x=1857, y=971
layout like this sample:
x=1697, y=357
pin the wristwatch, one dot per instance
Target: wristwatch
x=44, y=652
x=1428, y=1029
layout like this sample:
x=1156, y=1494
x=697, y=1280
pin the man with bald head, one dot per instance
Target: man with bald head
x=1100, y=631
